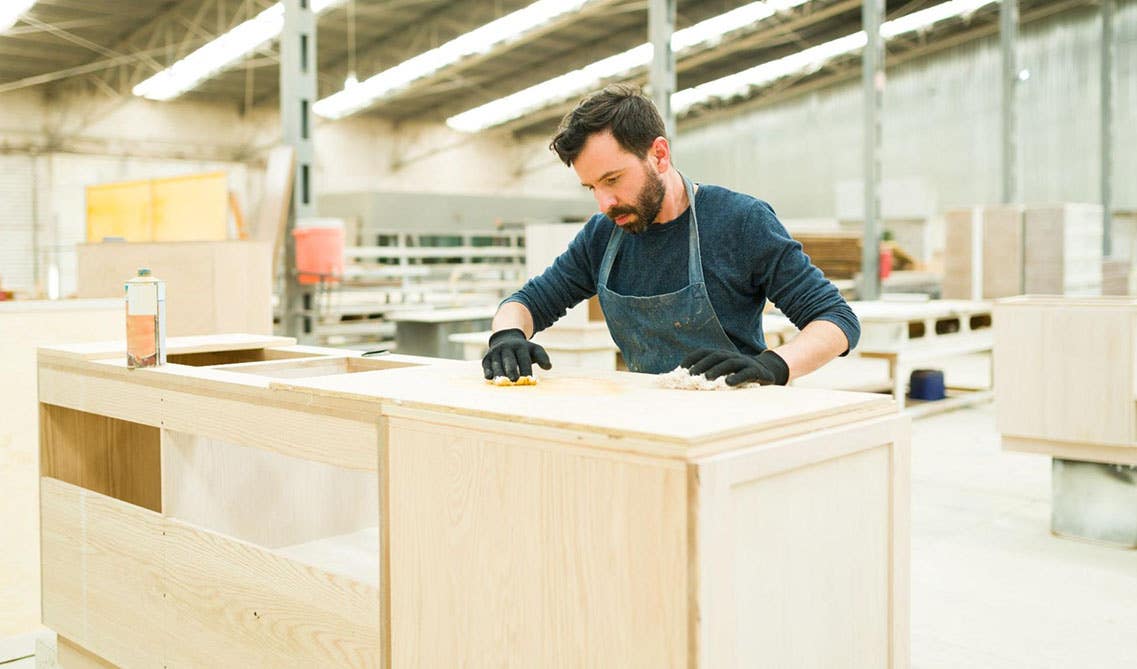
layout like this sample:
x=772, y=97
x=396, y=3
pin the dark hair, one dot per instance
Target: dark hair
x=628, y=113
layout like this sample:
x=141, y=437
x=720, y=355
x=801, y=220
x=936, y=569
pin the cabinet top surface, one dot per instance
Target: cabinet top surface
x=609, y=404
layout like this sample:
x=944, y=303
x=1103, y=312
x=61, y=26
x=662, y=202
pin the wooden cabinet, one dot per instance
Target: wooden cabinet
x=211, y=287
x=1066, y=376
x=594, y=519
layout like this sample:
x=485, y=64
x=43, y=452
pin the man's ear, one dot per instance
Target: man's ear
x=661, y=151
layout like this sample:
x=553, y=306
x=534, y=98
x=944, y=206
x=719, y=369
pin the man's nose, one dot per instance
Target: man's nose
x=605, y=200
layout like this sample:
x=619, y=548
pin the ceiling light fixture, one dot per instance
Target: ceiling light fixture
x=478, y=41
x=10, y=11
x=216, y=55
x=813, y=58
x=701, y=35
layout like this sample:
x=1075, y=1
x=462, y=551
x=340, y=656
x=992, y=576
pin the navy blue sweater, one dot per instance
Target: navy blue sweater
x=748, y=258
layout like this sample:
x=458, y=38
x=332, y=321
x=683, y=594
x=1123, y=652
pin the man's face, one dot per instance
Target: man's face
x=627, y=188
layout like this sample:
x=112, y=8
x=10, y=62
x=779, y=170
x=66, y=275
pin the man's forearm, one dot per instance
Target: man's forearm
x=516, y=315
x=817, y=344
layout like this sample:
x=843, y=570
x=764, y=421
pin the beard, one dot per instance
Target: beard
x=647, y=206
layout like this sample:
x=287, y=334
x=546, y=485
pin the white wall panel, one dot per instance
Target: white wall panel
x=17, y=180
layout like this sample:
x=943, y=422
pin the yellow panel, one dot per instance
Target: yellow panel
x=119, y=210
x=191, y=208
x=175, y=209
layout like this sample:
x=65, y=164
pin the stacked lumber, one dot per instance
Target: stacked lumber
x=1063, y=249
x=1115, y=276
x=837, y=254
x=1004, y=250
x=983, y=252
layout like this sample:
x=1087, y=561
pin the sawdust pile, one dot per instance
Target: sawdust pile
x=681, y=379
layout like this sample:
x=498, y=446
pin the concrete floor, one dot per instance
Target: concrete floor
x=991, y=587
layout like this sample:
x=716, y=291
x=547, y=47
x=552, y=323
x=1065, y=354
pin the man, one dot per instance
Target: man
x=682, y=271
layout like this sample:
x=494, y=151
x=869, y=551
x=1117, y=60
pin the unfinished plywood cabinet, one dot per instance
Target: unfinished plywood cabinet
x=1067, y=380
x=591, y=520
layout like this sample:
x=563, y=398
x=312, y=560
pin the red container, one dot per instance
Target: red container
x=885, y=262
x=319, y=254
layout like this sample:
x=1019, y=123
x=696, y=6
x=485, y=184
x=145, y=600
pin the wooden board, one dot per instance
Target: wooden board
x=551, y=558
x=114, y=457
x=770, y=524
x=272, y=216
x=1063, y=249
x=211, y=287
x=25, y=325
x=184, y=208
x=1066, y=369
x=137, y=589
x=619, y=405
x=983, y=252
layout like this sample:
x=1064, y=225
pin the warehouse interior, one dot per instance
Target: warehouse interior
x=326, y=203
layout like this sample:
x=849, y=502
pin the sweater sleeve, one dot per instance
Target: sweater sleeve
x=798, y=288
x=568, y=281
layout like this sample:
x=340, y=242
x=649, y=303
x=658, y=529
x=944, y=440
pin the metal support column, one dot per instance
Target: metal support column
x=297, y=93
x=872, y=79
x=660, y=26
x=1107, y=9
x=1008, y=41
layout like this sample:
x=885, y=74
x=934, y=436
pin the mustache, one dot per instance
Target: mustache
x=620, y=211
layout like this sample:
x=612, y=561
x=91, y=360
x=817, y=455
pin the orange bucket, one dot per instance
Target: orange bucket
x=319, y=254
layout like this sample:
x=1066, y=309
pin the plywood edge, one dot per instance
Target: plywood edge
x=542, y=436
x=206, y=382
x=1116, y=455
x=174, y=345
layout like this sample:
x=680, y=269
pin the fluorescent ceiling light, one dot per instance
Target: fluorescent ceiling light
x=219, y=53
x=815, y=57
x=478, y=41
x=700, y=36
x=10, y=11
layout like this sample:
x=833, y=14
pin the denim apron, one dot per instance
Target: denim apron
x=655, y=333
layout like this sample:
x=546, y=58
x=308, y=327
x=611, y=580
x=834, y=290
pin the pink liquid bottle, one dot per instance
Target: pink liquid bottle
x=145, y=321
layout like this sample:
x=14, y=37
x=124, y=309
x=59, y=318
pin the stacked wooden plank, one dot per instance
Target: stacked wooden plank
x=983, y=252
x=1115, y=276
x=1005, y=250
x=838, y=254
x=1063, y=249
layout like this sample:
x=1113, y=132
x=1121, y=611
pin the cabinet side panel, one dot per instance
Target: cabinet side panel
x=816, y=541
x=518, y=553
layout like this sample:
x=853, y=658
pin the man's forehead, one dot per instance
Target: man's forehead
x=601, y=156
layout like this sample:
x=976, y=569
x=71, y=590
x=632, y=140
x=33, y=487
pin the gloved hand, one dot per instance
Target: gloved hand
x=768, y=368
x=512, y=355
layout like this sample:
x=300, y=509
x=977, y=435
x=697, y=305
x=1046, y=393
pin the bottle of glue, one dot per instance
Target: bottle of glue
x=145, y=321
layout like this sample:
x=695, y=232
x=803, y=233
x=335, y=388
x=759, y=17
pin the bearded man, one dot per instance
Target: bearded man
x=682, y=270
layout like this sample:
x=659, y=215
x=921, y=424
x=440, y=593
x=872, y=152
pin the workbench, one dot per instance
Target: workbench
x=427, y=331
x=908, y=335
x=258, y=503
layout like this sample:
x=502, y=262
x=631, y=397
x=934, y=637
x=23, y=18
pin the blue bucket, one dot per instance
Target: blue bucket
x=926, y=384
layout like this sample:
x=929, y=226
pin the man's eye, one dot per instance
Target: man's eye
x=611, y=181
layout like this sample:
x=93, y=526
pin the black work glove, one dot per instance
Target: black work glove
x=512, y=355
x=766, y=369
